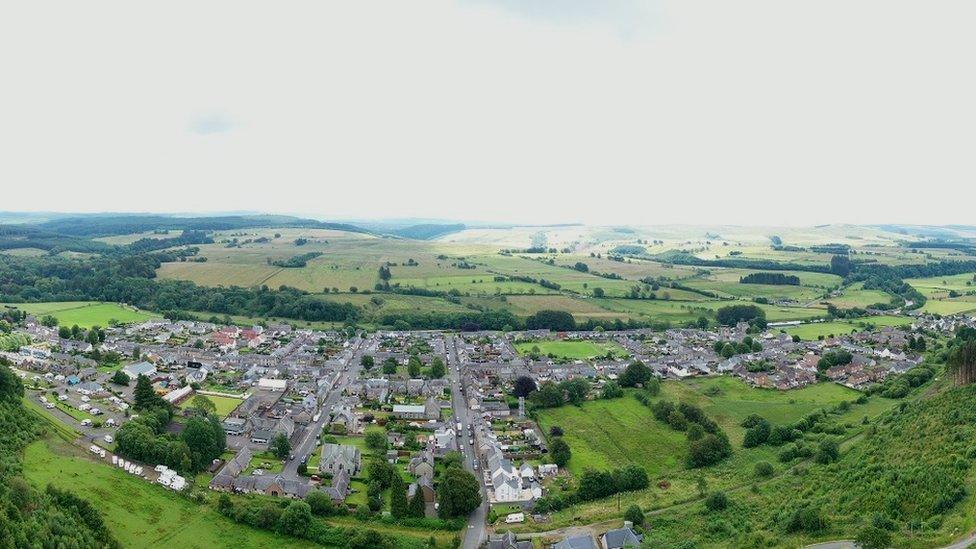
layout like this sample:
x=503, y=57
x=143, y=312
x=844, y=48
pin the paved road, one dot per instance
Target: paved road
x=475, y=534
x=968, y=541
x=349, y=372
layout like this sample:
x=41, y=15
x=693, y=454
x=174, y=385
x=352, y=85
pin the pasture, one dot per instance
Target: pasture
x=85, y=313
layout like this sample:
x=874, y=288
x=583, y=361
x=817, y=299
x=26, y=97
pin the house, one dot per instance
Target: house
x=261, y=436
x=140, y=369
x=272, y=384
x=426, y=487
x=408, y=411
x=576, y=542
x=234, y=426
x=508, y=541
x=340, y=486
x=340, y=457
x=620, y=538
x=422, y=465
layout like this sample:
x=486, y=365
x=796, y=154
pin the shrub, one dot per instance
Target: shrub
x=716, y=501
x=764, y=469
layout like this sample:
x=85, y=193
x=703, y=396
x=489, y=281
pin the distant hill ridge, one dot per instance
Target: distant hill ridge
x=97, y=226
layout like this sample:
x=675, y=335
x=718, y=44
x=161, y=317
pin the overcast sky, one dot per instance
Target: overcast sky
x=611, y=111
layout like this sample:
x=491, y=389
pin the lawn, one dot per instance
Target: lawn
x=138, y=513
x=85, y=313
x=225, y=405
x=571, y=350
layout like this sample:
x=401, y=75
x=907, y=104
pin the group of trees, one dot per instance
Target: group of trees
x=729, y=349
x=595, y=484
x=294, y=262
x=734, y=314
x=146, y=439
x=708, y=444
x=770, y=278
x=554, y=395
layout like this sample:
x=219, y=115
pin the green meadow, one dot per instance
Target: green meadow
x=85, y=313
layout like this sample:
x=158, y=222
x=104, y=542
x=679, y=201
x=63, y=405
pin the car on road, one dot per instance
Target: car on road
x=474, y=464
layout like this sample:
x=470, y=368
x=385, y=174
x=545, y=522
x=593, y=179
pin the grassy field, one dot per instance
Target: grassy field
x=604, y=434
x=856, y=296
x=571, y=350
x=138, y=513
x=611, y=433
x=225, y=405
x=85, y=313
x=815, y=330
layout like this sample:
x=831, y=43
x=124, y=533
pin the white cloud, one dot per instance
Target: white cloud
x=773, y=111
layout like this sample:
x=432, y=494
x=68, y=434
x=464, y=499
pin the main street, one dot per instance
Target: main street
x=348, y=372
x=475, y=533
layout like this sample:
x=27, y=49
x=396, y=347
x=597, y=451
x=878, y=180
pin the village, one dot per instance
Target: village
x=432, y=395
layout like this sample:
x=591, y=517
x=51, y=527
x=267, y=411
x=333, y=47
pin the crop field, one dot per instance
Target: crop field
x=772, y=292
x=631, y=269
x=572, y=350
x=483, y=284
x=85, y=313
x=348, y=260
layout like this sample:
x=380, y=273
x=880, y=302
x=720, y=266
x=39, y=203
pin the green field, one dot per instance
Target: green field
x=572, y=350
x=840, y=327
x=225, y=405
x=138, y=513
x=604, y=434
x=85, y=313
x=612, y=433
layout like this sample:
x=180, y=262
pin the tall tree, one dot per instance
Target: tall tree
x=962, y=362
x=280, y=446
x=460, y=493
x=417, y=504
x=399, y=507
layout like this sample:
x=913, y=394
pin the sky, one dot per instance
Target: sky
x=753, y=112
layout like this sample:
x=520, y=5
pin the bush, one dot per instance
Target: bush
x=708, y=450
x=806, y=519
x=634, y=515
x=828, y=452
x=871, y=537
x=716, y=501
x=764, y=469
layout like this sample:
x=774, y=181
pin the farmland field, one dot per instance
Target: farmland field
x=85, y=313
